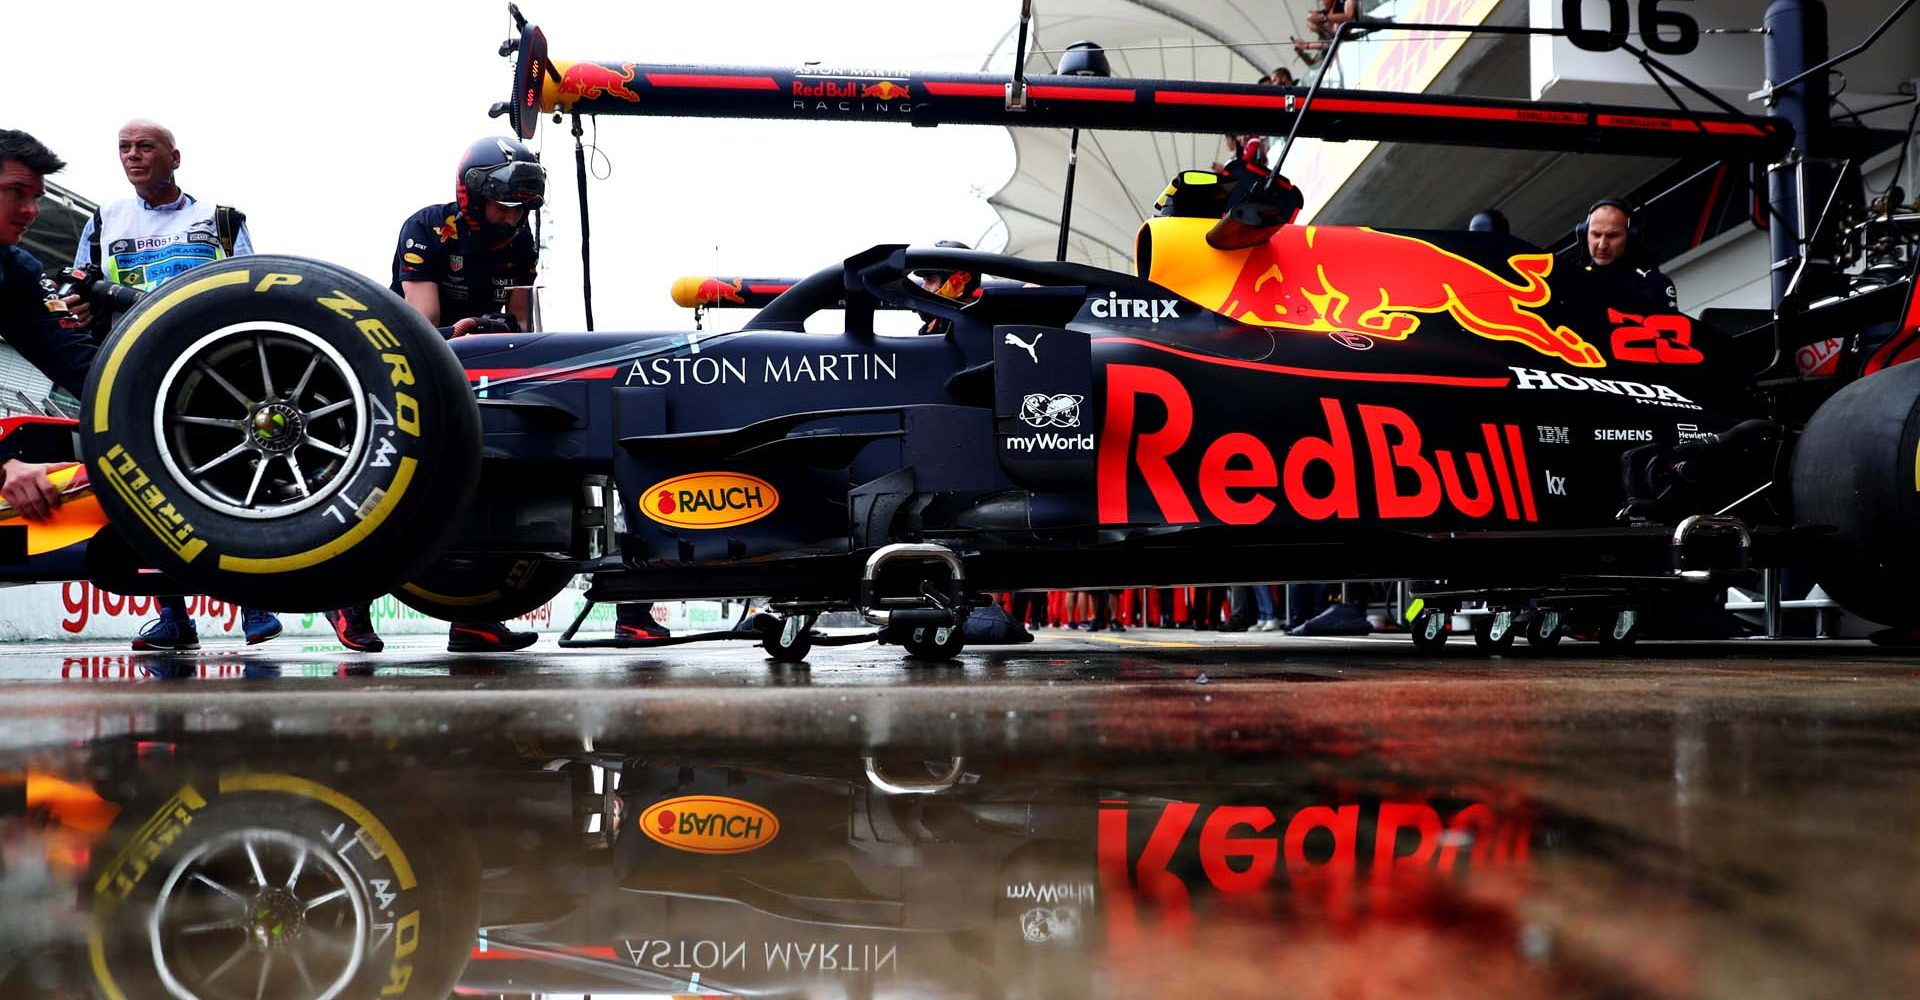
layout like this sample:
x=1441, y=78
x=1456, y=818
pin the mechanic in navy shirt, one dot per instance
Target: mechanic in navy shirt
x=1610, y=241
x=33, y=319
x=458, y=263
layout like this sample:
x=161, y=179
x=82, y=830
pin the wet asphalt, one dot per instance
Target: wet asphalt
x=1237, y=815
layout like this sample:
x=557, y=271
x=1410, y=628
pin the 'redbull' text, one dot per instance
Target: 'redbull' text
x=1240, y=479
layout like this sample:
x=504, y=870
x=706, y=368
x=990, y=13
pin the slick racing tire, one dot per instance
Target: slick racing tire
x=280, y=432
x=267, y=884
x=483, y=587
x=1854, y=469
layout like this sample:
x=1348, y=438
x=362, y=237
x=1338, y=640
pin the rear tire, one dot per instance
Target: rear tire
x=281, y=432
x=1854, y=469
x=484, y=587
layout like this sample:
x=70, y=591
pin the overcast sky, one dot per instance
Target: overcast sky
x=329, y=123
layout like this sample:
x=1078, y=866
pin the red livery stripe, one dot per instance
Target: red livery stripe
x=1470, y=382
x=965, y=89
x=499, y=374
x=1059, y=93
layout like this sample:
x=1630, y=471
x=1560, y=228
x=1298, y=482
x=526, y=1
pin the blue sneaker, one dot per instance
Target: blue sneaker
x=169, y=631
x=259, y=625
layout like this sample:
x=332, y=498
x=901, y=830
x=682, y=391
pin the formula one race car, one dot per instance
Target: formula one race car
x=1329, y=402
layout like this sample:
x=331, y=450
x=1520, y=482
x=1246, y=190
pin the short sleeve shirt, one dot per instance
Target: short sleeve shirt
x=437, y=244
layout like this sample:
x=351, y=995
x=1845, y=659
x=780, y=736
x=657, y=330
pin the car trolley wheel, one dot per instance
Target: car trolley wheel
x=1544, y=628
x=1494, y=632
x=942, y=643
x=281, y=432
x=483, y=587
x=1619, y=629
x=1430, y=630
x=789, y=638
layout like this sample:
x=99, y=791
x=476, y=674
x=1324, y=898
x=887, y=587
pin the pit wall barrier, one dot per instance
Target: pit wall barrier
x=78, y=610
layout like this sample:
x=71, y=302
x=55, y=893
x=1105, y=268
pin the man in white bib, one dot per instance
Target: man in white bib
x=143, y=241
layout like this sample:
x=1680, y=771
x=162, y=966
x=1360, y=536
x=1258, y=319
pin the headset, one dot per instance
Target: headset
x=1633, y=223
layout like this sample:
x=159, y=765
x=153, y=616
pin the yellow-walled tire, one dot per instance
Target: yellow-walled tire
x=483, y=587
x=281, y=432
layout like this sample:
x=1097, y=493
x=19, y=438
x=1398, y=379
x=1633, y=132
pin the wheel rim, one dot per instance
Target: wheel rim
x=260, y=420
x=259, y=913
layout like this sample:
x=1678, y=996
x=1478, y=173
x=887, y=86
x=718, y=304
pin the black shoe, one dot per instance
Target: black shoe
x=487, y=637
x=354, y=628
x=1237, y=625
x=643, y=631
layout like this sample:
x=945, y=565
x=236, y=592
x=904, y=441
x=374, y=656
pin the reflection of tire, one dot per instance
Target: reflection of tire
x=275, y=885
x=934, y=643
x=281, y=432
x=1854, y=468
x=483, y=587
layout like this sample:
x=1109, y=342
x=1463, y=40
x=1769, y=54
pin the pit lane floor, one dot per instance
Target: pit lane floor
x=1256, y=815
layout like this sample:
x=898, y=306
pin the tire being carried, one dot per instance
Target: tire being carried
x=281, y=432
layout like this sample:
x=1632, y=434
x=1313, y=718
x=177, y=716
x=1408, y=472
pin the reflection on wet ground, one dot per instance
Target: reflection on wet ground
x=1070, y=819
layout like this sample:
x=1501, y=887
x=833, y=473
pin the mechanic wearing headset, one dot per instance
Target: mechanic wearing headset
x=1612, y=245
x=33, y=319
x=457, y=263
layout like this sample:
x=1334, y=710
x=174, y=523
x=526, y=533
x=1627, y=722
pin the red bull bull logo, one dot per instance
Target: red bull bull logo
x=591, y=81
x=1354, y=280
x=886, y=90
x=714, y=290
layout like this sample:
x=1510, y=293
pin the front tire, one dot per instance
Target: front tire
x=280, y=432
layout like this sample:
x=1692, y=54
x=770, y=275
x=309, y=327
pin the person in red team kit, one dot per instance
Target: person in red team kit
x=457, y=263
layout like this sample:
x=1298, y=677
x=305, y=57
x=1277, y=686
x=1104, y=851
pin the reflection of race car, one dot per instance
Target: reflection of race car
x=234, y=868
x=1340, y=402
